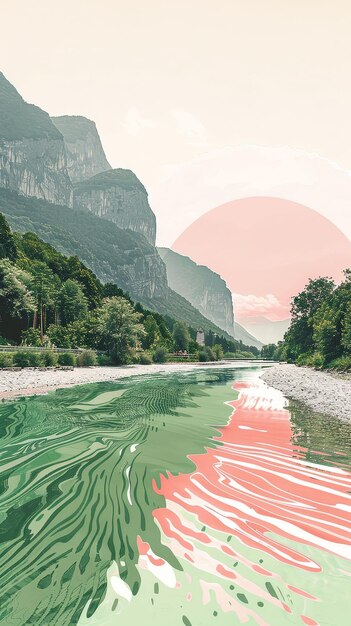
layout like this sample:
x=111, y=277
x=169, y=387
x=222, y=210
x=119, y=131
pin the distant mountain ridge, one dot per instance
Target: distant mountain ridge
x=266, y=330
x=206, y=291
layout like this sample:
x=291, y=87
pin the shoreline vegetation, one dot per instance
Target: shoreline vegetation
x=319, y=334
x=49, y=301
x=319, y=390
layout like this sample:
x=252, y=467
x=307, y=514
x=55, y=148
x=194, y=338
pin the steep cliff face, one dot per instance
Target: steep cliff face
x=115, y=255
x=85, y=154
x=204, y=289
x=118, y=196
x=32, y=152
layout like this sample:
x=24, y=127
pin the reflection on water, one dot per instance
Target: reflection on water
x=178, y=499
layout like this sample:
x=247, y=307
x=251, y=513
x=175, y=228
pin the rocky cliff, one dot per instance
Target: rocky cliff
x=85, y=154
x=118, y=196
x=115, y=255
x=204, y=289
x=32, y=152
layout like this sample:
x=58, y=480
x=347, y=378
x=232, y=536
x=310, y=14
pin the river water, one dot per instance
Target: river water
x=189, y=499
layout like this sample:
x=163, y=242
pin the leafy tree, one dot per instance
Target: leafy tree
x=299, y=337
x=31, y=337
x=59, y=336
x=73, y=304
x=218, y=352
x=346, y=330
x=181, y=336
x=121, y=327
x=44, y=286
x=152, y=333
x=267, y=351
x=15, y=296
x=7, y=244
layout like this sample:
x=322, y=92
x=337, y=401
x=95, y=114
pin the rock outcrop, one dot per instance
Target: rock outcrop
x=115, y=255
x=32, y=152
x=118, y=196
x=85, y=154
x=204, y=289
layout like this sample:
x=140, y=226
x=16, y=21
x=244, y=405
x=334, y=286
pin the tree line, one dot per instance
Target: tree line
x=320, y=330
x=48, y=299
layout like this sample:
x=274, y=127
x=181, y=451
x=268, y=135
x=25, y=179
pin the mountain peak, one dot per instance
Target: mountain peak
x=20, y=120
x=85, y=154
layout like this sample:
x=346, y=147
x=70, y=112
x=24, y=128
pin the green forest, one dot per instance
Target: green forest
x=50, y=300
x=320, y=331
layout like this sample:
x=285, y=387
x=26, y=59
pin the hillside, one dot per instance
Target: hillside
x=114, y=255
x=206, y=291
x=202, y=287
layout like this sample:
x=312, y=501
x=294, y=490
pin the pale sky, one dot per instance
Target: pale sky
x=167, y=81
x=207, y=101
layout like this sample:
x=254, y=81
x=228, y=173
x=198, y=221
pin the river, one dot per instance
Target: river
x=174, y=500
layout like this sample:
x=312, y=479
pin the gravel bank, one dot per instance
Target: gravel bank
x=29, y=381
x=322, y=392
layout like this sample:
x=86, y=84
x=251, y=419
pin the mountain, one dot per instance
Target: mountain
x=119, y=196
x=241, y=334
x=204, y=289
x=115, y=255
x=85, y=154
x=109, y=224
x=32, y=152
x=266, y=330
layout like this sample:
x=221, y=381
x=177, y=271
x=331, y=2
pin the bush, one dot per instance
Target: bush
x=343, y=364
x=317, y=360
x=202, y=356
x=210, y=354
x=31, y=337
x=66, y=358
x=6, y=359
x=303, y=359
x=27, y=358
x=86, y=358
x=3, y=341
x=229, y=355
x=104, y=360
x=145, y=359
x=49, y=358
x=160, y=355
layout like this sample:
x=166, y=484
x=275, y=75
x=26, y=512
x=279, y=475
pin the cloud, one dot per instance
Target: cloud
x=190, y=127
x=251, y=305
x=135, y=123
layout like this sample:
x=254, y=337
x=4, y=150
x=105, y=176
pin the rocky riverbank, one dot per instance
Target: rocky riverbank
x=321, y=391
x=30, y=381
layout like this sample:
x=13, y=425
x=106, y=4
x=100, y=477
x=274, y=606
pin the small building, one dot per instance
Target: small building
x=200, y=337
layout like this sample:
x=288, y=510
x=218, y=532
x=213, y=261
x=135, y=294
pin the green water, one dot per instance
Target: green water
x=65, y=503
x=80, y=479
